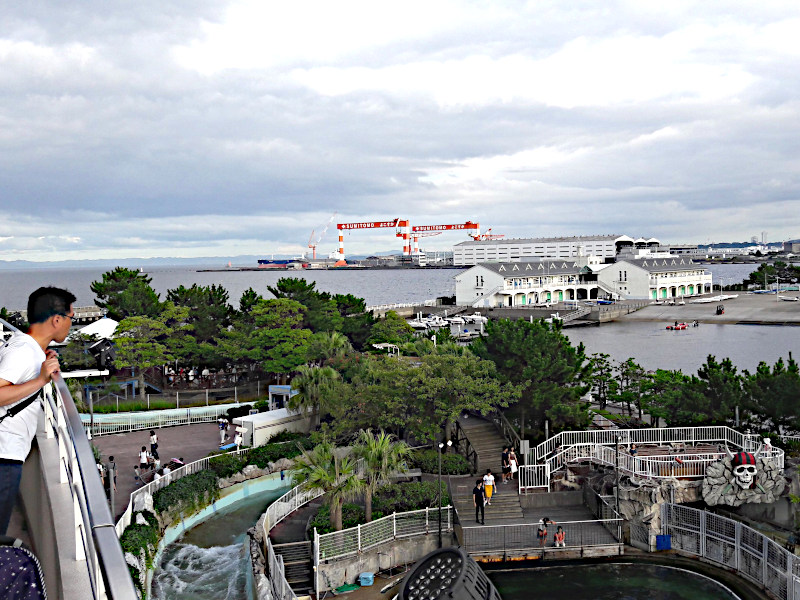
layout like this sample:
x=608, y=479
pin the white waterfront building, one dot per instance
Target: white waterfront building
x=604, y=246
x=527, y=283
x=654, y=278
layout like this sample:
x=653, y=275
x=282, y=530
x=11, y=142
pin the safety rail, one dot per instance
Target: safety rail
x=531, y=477
x=684, y=465
x=733, y=545
x=107, y=424
x=663, y=435
x=463, y=445
x=522, y=538
x=355, y=540
x=157, y=484
x=481, y=301
x=97, y=545
x=506, y=428
x=383, y=307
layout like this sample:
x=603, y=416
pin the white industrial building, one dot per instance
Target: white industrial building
x=604, y=246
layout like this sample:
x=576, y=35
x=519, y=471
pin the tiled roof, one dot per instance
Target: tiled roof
x=657, y=265
x=534, y=268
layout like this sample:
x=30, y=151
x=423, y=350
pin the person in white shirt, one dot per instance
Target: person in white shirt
x=26, y=366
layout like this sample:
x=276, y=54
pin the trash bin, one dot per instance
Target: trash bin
x=663, y=542
x=366, y=579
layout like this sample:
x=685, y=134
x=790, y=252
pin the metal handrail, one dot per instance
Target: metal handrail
x=507, y=429
x=469, y=451
x=103, y=548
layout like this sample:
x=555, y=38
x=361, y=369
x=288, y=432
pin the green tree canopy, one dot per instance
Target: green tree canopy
x=321, y=312
x=126, y=293
x=773, y=395
x=392, y=329
x=312, y=385
x=551, y=373
x=382, y=456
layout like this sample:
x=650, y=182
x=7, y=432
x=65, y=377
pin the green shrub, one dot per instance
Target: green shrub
x=137, y=537
x=188, y=493
x=225, y=465
x=238, y=411
x=428, y=461
x=352, y=515
x=268, y=453
x=403, y=497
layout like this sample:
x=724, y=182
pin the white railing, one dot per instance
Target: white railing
x=735, y=546
x=353, y=541
x=152, y=487
x=385, y=307
x=533, y=476
x=281, y=590
x=661, y=436
x=105, y=424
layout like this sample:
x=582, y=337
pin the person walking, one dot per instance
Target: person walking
x=223, y=426
x=506, y=465
x=479, y=500
x=488, y=486
x=153, y=442
x=237, y=439
x=26, y=366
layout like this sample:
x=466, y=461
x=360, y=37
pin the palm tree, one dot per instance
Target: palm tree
x=311, y=384
x=328, y=344
x=381, y=457
x=330, y=471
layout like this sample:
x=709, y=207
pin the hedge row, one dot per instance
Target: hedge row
x=428, y=461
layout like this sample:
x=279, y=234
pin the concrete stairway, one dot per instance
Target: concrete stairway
x=297, y=564
x=488, y=444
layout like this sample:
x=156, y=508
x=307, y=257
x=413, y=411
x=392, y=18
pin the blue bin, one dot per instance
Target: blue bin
x=366, y=579
x=663, y=542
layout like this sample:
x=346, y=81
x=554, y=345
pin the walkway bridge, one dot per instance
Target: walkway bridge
x=661, y=453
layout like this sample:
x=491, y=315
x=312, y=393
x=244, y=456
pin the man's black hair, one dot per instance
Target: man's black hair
x=48, y=301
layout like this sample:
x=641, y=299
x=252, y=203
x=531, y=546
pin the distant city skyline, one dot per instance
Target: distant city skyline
x=225, y=128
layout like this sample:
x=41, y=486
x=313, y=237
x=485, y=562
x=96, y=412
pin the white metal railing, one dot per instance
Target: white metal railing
x=353, y=541
x=735, y=546
x=690, y=465
x=152, y=487
x=97, y=548
x=661, y=436
x=105, y=424
x=384, y=307
x=533, y=476
x=281, y=590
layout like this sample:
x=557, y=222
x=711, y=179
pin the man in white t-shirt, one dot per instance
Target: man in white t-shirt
x=26, y=365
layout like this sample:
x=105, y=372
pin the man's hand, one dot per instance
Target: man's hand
x=49, y=366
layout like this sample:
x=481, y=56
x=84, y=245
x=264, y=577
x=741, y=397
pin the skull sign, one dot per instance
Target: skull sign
x=744, y=470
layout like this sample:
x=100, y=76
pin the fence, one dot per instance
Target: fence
x=136, y=421
x=352, y=541
x=662, y=435
x=530, y=477
x=152, y=487
x=185, y=397
x=733, y=545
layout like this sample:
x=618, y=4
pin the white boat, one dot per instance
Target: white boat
x=455, y=320
x=475, y=318
x=789, y=298
x=417, y=324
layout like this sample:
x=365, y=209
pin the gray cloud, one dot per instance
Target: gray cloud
x=195, y=127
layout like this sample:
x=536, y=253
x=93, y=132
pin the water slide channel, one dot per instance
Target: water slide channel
x=211, y=561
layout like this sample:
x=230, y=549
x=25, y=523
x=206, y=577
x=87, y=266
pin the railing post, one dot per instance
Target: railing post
x=394, y=525
x=737, y=544
x=177, y=399
x=206, y=396
x=427, y=529
x=764, y=558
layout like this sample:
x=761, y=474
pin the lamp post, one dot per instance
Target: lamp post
x=439, y=489
x=616, y=481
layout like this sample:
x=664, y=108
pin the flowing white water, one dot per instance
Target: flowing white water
x=188, y=572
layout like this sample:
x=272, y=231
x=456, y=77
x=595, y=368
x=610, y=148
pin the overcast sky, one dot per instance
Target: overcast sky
x=214, y=128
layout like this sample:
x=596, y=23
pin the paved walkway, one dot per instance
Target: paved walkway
x=191, y=442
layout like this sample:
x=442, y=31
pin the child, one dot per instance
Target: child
x=559, y=537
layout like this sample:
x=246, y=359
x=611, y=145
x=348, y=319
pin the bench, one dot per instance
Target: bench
x=411, y=474
x=230, y=446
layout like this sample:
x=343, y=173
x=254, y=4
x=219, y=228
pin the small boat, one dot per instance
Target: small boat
x=417, y=324
x=455, y=320
x=789, y=298
x=678, y=327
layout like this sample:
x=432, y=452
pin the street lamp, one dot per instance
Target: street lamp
x=616, y=480
x=439, y=489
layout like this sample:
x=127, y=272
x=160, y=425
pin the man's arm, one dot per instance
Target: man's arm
x=11, y=392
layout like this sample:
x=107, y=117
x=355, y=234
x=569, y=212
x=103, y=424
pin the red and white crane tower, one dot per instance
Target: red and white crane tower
x=402, y=230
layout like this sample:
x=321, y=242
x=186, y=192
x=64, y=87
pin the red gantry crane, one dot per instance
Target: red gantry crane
x=401, y=226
